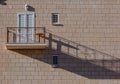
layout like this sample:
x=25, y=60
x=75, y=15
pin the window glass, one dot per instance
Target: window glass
x=55, y=59
x=55, y=17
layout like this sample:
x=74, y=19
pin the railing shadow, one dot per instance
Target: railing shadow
x=78, y=59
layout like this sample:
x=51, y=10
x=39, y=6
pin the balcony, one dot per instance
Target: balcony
x=26, y=38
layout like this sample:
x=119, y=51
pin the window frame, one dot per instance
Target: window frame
x=25, y=23
x=55, y=64
x=58, y=16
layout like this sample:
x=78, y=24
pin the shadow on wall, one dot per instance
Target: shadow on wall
x=3, y=2
x=78, y=59
x=30, y=8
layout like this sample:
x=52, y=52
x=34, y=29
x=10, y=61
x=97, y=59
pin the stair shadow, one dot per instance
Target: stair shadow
x=92, y=69
x=77, y=59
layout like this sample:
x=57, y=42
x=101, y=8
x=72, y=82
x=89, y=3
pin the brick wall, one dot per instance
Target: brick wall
x=92, y=23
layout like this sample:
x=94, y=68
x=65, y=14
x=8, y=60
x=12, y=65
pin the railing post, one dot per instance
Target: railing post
x=50, y=40
x=35, y=35
x=44, y=34
x=7, y=35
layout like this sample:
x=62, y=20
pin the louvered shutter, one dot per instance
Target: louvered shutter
x=30, y=26
x=25, y=27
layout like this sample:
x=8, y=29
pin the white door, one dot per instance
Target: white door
x=26, y=27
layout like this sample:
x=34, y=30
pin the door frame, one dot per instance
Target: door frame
x=25, y=25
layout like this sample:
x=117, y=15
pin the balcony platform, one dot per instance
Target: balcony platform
x=25, y=40
x=26, y=46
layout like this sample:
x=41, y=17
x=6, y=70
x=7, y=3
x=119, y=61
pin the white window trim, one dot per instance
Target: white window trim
x=25, y=17
x=25, y=25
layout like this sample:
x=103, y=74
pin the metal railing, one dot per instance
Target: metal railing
x=25, y=34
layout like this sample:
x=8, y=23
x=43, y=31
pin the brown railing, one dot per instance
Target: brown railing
x=25, y=34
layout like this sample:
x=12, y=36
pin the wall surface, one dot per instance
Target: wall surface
x=93, y=24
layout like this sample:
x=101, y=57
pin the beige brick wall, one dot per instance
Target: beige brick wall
x=92, y=23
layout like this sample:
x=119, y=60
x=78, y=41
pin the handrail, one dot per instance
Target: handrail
x=12, y=33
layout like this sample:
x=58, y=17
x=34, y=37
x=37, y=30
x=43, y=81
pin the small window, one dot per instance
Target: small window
x=55, y=60
x=55, y=18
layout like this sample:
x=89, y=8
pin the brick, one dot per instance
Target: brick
x=92, y=23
